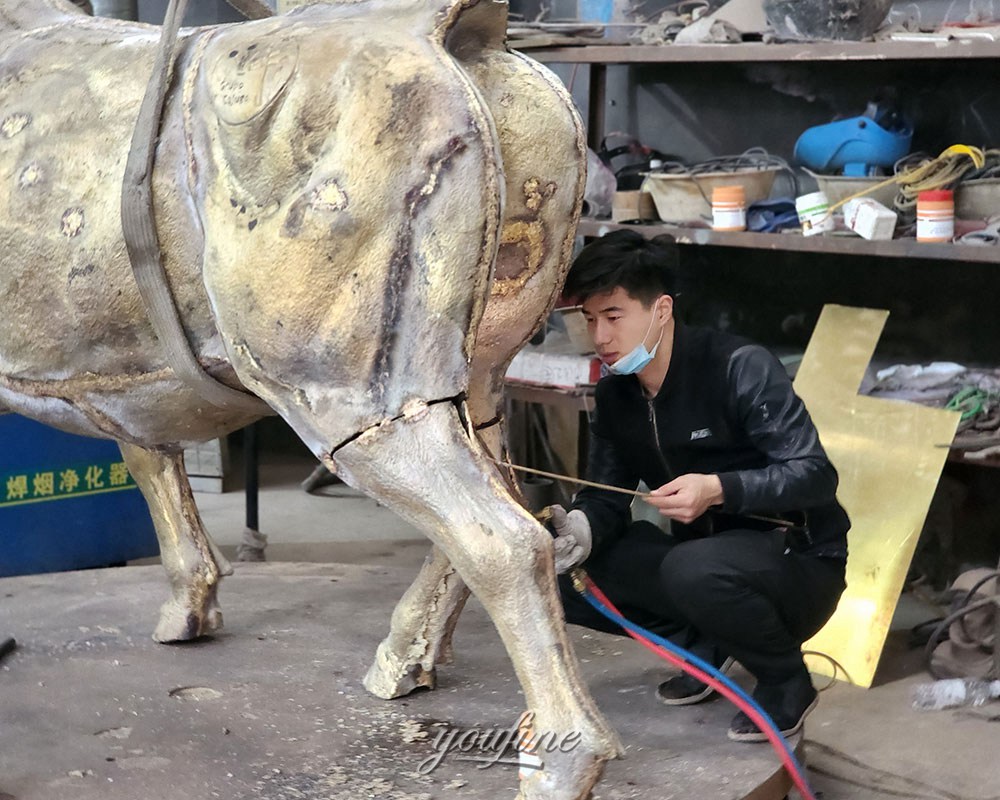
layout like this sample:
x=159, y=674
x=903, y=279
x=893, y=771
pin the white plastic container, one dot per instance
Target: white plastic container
x=870, y=219
x=814, y=213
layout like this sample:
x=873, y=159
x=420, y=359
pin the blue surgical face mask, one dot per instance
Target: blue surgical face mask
x=639, y=357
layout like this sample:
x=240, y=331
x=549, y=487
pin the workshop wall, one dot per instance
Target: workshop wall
x=925, y=12
x=940, y=310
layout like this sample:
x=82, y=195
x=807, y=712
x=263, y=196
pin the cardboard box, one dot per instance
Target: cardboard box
x=554, y=369
x=628, y=206
x=870, y=219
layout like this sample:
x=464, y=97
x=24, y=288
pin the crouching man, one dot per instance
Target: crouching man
x=754, y=564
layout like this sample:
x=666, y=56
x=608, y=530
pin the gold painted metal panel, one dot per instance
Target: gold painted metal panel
x=889, y=465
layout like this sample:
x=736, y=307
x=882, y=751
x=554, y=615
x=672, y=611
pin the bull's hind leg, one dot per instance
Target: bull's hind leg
x=420, y=631
x=424, y=620
x=194, y=564
x=425, y=468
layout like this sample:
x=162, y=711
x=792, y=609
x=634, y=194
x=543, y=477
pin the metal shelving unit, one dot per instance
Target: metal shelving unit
x=599, y=57
x=756, y=51
x=795, y=243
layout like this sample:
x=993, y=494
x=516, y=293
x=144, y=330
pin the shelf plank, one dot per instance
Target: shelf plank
x=756, y=51
x=793, y=242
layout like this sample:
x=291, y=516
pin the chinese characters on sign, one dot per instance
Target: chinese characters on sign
x=33, y=486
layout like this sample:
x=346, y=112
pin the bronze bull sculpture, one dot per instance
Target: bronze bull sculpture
x=364, y=210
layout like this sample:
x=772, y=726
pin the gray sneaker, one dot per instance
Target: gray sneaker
x=683, y=690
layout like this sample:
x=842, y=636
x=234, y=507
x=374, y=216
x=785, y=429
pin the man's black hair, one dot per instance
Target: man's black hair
x=644, y=268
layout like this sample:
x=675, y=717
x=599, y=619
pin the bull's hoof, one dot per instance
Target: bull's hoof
x=572, y=777
x=181, y=623
x=389, y=679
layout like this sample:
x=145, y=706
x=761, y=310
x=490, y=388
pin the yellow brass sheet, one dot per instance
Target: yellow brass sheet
x=889, y=467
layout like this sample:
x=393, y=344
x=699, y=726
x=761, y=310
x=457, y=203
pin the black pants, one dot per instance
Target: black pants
x=737, y=593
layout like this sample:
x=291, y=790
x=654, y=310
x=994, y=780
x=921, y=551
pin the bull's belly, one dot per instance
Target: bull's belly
x=154, y=410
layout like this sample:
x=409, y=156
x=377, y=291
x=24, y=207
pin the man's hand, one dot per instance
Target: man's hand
x=688, y=497
x=573, y=539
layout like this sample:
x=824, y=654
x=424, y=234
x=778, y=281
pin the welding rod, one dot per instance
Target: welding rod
x=783, y=523
x=568, y=479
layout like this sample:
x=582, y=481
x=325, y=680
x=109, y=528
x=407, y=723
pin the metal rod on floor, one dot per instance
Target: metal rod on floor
x=251, y=474
x=7, y=646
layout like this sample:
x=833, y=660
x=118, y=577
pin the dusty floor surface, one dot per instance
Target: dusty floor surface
x=273, y=707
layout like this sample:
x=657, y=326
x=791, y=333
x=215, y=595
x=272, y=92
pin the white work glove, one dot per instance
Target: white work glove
x=573, y=540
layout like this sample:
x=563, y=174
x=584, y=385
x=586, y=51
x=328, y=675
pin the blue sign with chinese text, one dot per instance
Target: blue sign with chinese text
x=66, y=502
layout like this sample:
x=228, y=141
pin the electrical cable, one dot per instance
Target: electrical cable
x=938, y=635
x=936, y=173
x=971, y=401
x=844, y=768
x=837, y=667
x=985, y=642
x=925, y=175
x=702, y=671
x=991, y=169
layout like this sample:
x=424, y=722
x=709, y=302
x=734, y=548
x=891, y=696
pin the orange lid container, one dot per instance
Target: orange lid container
x=936, y=216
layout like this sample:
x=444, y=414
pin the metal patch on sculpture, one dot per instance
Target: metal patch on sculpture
x=248, y=80
x=522, y=241
x=328, y=196
x=534, y=196
x=72, y=222
x=30, y=176
x=522, y=249
x=14, y=124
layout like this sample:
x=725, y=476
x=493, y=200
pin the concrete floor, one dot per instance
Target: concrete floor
x=273, y=707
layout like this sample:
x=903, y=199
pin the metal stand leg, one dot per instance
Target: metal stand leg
x=254, y=542
x=251, y=473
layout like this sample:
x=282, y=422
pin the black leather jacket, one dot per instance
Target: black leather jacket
x=726, y=407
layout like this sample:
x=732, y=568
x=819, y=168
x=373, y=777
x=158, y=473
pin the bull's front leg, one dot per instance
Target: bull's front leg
x=424, y=620
x=193, y=562
x=505, y=557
